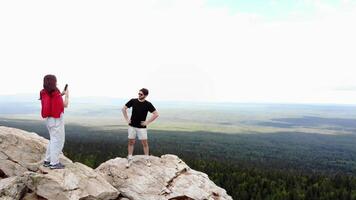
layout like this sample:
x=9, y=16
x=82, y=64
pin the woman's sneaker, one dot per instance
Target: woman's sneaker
x=46, y=164
x=57, y=166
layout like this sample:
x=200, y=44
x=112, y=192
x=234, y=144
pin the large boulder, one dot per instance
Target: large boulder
x=21, y=158
x=22, y=151
x=76, y=181
x=168, y=178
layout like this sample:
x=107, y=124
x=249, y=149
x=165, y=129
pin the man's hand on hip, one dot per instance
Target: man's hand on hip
x=144, y=123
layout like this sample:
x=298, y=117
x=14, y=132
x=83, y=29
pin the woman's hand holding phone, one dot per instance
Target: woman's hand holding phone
x=65, y=91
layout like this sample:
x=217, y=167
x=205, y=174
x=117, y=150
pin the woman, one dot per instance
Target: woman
x=52, y=110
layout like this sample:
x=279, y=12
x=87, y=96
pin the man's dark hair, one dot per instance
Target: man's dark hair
x=144, y=91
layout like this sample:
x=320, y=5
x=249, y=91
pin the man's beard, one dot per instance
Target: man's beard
x=141, y=98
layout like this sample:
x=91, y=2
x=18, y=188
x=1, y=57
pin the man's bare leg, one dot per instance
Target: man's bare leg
x=130, y=149
x=146, y=151
x=131, y=146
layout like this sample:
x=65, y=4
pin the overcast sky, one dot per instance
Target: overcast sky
x=300, y=51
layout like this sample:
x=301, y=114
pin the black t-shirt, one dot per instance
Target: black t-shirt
x=139, y=111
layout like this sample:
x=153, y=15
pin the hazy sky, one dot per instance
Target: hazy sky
x=300, y=51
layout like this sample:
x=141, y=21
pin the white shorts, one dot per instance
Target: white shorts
x=141, y=133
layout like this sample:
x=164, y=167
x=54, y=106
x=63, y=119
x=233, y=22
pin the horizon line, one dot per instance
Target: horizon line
x=200, y=101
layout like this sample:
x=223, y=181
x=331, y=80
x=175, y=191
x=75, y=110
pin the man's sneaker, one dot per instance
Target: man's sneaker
x=57, y=166
x=129, y=162
x=46, y=164
x=148, y=163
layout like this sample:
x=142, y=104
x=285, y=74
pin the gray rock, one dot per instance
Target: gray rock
x=21, y=158
x=76, y=181
x=167, y=178
x=22, y=151
x=12, y=188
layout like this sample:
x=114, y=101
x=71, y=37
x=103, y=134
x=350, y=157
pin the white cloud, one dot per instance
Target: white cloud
x=181, y=50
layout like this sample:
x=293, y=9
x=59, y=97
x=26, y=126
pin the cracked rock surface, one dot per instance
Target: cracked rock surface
x=168, y=178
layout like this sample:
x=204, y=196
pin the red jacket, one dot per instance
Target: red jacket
x=52, y=104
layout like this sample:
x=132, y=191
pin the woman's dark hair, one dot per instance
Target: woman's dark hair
x=144, y=91
x=50, y=83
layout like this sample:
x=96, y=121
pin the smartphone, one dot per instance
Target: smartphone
x=65, y=87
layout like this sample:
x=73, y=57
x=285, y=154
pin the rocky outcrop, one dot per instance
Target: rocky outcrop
x=167, y=178
x=21, y=151
x=22, y=176
x=21, y=157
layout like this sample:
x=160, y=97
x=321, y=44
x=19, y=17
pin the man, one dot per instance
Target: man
x=138, y=124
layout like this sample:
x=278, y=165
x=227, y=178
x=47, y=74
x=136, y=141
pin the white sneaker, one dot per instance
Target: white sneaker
x=129, y=162
x=148, y=163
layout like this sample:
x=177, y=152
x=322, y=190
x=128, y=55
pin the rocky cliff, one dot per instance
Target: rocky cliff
x=22, y=176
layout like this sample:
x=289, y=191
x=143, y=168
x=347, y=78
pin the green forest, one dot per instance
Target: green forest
x=248, y=166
